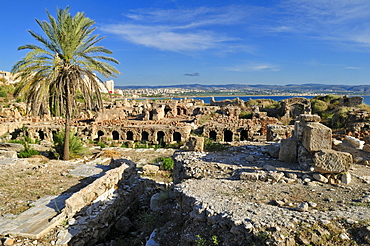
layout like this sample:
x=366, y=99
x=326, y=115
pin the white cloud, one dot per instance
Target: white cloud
x=250, y=67
x=332, y=20
x=353, y=68
x=166, y=38
x=183, y=30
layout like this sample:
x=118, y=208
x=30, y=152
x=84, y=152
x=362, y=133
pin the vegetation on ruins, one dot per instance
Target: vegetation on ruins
x=327, y=107
x=63, y=66
x=211, y=145
x=76, y=146
x=166, y=163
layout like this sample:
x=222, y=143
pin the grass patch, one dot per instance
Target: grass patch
x=210, y=145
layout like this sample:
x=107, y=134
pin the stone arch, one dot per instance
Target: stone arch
x=100, y=134
x=115, y=135
x=244, y=135
x=144, y=136
x=213, y=135
x=160, y=138
x=129, y=135
x=177, y=136
x=15, y=134
x=167, y=110
x=228, y=136
x=41, y=134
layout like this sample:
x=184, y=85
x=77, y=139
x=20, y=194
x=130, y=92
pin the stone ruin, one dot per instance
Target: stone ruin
x=155, y=122
x=311, y=147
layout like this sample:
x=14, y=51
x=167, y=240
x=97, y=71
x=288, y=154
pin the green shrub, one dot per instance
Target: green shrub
x=318, y=106
x=3, y=94
x=245, y=115
x=76, y=146
x=101, y=145
x=16, y=141
x=210, y=145
x=26, y=153
x=166, y=163
x=339, y=118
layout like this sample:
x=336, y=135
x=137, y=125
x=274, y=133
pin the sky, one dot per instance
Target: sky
x=171, y=42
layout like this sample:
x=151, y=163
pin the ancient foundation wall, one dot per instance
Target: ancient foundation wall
x=92, y=211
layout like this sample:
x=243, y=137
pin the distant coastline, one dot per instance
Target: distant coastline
x=279, y=97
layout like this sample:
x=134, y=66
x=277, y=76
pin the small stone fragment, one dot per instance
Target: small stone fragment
x=344, y=236
x=346, y=178
x=303, y=207
x=8, y=241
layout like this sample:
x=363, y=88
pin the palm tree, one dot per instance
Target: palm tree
x=61, y=66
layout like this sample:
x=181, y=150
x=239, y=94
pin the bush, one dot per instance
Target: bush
x=166, y=163
x=3, y=94
x=210, y=145
x=101, y=145
x=76, y=146
x=26, y=153
x=318, y=106
x=245, y=115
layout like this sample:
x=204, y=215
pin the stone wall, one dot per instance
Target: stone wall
x=92, y=211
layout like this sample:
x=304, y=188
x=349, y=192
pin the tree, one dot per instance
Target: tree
x=62, y=65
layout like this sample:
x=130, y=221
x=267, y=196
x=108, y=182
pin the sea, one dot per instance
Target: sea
x=247, y=98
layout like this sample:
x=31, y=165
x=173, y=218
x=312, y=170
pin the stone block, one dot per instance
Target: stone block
x=273, y=150
x=249, y=176
x=321, y=178
x=8, y=154
x=148, y=169
x=309, y=118
x=332, y=161
x=304, y=158
x=366, y=148
x=288, y=150
x=195, y=144
x=353, y=142
x=316, y=137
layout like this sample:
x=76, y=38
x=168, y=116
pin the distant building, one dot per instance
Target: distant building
x=110, y=85
x=8, y=76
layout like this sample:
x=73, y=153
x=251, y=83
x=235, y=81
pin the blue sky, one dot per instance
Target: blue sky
x=165, y=42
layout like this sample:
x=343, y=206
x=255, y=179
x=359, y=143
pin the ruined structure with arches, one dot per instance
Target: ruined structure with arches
x=162, y=122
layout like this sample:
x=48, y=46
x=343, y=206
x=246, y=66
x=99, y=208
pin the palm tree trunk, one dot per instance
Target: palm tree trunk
x=68, y=122
x=66, y=138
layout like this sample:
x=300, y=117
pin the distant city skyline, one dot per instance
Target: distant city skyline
x=169, y=42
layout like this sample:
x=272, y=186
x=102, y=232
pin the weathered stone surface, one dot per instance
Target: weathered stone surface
x=156, y=202
x=274, y=150
x=150, y=169
x=304, y=158
x=316, y=137
x=195, y=144
x=321, y=178
x=354, y=142
x=303, y=207
x=366, y=148
x=331, y=161
x=346, y=178
x=288, y=150
x=249, y=176
x=8, y=241
x=123, y=224
x=8, y=154
x=277, y=132
x=309, y=118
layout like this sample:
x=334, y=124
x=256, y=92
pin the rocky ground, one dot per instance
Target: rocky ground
x=239, y=193
x=275, y=201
